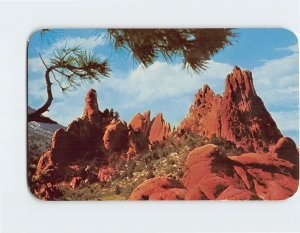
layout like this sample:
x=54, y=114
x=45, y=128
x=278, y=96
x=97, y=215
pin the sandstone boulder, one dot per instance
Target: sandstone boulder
x=116, y=136
x=75, y=182
x=159, y=188
x=286, y=149
x=105, y=173
x=211, y=175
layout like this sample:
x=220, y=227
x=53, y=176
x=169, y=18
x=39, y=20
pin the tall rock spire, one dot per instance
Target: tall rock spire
x=244, y=118
x=239, y=116
x=91, y=110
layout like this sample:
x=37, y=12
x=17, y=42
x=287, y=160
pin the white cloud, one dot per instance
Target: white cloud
x=162, y=80
x=37, y=89
x=35, y=64
x=277, y=82
x=293, y=48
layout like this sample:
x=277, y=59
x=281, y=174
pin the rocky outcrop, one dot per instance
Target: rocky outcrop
x=139, y=128
x=116, y=136
x=48, y=191
x=239, y=116
x=141, y=123
x=137, y=143
x=244, y=118
x=211, y=175
x=143, y=132
x=91, y=111
x=105, y=173
x=286, y=149
x=81, y=140
x=206, y=108
x=160, y=130
x=75, y=182
x=159, y=188
x=96, y=133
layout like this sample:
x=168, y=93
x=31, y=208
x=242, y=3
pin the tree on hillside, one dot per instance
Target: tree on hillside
x=69, y=66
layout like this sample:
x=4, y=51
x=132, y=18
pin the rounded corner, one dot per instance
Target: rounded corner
x=293, y=195
x=292, y=33
x=32, y=194
x=33, y=33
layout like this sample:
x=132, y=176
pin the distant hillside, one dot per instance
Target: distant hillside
x=39, y=136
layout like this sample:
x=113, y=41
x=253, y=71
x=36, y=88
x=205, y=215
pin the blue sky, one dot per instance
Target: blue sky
x=271, y=54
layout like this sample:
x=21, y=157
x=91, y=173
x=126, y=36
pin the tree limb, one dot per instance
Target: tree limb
x=34, y=116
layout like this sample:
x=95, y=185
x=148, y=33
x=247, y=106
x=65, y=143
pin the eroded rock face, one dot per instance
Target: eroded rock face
x=45, y=162
x=239, y=116
x=141, y=123
x=139, y=128
x=160, y=130
x=105, y=173
x=244, y=118
x=116, y=136
x=137, y=143
x=83, y=136
x=48, y=191
x=206, y=108
x=286, y=149
x=159, y=188
x=75, y=182
x=211, y=175
x=91, y=110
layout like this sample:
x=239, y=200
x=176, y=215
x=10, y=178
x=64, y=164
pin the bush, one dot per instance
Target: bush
x=117, y=190
x=149, y=175
x=180, y=173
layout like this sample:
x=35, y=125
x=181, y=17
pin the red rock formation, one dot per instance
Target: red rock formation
x=203, y=117
x=143, y=132
x=137, y=143
x=75, y=182
x=138, y=133
x=81, y=137
x=244, y=118
x=160, y=130
x=210, y=175
x=239, y=116
x=200, y=178
x=45, y=162
x=271, y=178
x=91, y=110
x=105, y=173
x=141, y=123
x=286, y=149
x=48, y=191
x=116, y=136
x=159, y=188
